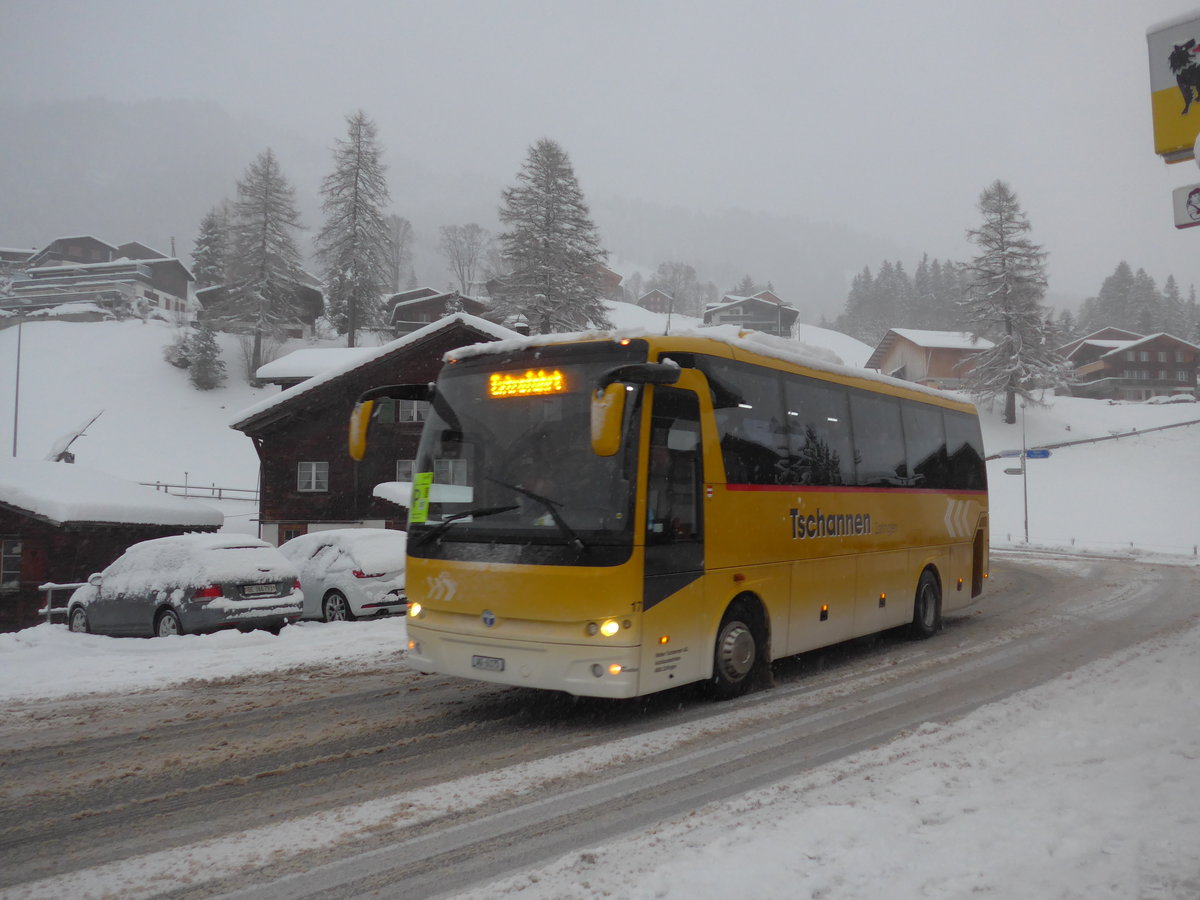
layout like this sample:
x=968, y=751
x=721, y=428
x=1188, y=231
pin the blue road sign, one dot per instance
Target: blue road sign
x=1037, y=454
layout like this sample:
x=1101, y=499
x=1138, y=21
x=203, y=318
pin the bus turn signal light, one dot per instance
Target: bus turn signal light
x=665, y=639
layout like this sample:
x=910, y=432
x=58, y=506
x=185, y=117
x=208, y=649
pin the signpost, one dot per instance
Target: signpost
x=1174, y=48
x=1024, y=454
x=1186, y=201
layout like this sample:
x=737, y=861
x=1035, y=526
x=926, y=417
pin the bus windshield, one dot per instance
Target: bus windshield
x=506, y=451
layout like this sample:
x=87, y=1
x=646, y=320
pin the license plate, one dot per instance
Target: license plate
x=488, y=663
x=259, y=590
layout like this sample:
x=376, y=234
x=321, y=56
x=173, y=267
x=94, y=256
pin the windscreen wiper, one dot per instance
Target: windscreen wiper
x=551, y=507
x=479, y=513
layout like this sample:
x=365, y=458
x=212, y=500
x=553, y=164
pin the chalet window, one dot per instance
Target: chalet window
x=1131, y=356
x=10, y=564
x=287, y=532
x=451, y=471
x=312, y=476
x=412, y=410
x=1145, y=356
x=1162, y=355
x=1181, y=375
x=1178, y=356
x=385, y=411
x=404, y=469
x=1162, y=374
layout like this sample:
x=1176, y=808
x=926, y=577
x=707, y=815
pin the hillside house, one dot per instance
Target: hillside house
x=1114, y=364
x=937, y=359
x=130, y=278
x=763, y=311
x=307, y=480
x=60, y=523
x=655, y=301
x=411, y=310
x=308, y=305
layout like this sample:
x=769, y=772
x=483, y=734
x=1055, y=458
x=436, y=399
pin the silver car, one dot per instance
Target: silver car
x=189, y=583
x=350, y=573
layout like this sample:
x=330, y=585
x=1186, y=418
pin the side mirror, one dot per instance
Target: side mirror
x=608, y=400
x=94, y=579
x=360, y=418
x=608, y=411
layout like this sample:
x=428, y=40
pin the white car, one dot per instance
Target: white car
x=189, y=583
x=350, y=573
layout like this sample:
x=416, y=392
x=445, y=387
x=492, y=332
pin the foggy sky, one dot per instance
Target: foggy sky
x=890, y=118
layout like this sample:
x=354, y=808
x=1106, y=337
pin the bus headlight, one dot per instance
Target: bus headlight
x=415, y=609
x=609, y=628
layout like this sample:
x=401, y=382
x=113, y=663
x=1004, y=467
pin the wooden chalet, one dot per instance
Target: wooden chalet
x=130, y=277
x=1114, y=364
x=937, y=359
x=763, y=311
x=307, y=478
x=409, y=311
x=655, y=301
x=60, y=523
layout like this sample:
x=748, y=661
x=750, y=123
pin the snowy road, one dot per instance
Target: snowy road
x=328, y=783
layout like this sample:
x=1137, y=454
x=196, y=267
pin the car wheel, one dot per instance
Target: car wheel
x=337, y=608
x=167, y=623
x=927, y=607
x=734, y=655
x=77, y=621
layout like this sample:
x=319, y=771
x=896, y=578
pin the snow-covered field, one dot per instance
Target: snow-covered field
x=1084, y=787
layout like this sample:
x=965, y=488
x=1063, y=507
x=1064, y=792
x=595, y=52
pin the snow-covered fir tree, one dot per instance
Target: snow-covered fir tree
x=354, y=245
x=1173, y=313
x=211, y=250
x=552, y=247
x=1007, y=283
x=465, y=248
x=207, y=369
x=264, y=261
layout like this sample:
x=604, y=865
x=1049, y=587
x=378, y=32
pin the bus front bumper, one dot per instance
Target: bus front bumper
x=584, y=670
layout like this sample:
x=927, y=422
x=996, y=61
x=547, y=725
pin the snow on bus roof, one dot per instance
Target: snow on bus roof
x=761, y=343
x=64, y=492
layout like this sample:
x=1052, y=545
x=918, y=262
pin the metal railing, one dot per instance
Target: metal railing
x=211, y=492
x=49, y=610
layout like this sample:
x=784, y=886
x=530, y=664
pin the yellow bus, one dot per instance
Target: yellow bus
x=612, y=516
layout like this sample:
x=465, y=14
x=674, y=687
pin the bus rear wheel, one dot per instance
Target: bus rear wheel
x=735, y=654
x=927, y=607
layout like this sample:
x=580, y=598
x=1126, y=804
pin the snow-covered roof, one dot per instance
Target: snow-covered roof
x=499, y=331
x=943, y=340
x=309, y=362
x=927, y=340
x=1121, y=346
x=68, y=493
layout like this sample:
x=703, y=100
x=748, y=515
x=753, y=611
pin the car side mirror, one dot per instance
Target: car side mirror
x=94, y=579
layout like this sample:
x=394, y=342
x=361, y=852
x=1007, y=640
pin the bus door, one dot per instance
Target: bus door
x=674, y=485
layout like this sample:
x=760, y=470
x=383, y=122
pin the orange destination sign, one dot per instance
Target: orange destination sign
x=528, y=384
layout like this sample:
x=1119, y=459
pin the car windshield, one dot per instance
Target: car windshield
x=508, y=447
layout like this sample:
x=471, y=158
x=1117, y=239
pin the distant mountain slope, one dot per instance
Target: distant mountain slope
x=149, y=171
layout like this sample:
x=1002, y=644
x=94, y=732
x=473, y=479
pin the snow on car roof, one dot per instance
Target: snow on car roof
x=377, y=549
x=63, y=492
x=191, y=560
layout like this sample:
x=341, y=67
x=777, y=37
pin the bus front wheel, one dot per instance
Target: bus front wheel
x=927, y=607
x=734, y=655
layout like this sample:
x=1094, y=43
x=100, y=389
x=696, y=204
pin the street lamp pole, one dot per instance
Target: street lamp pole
x=17, y=391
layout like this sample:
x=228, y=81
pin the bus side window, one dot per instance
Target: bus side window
x=925, y=440
x=878, y=440
x=674, y=483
